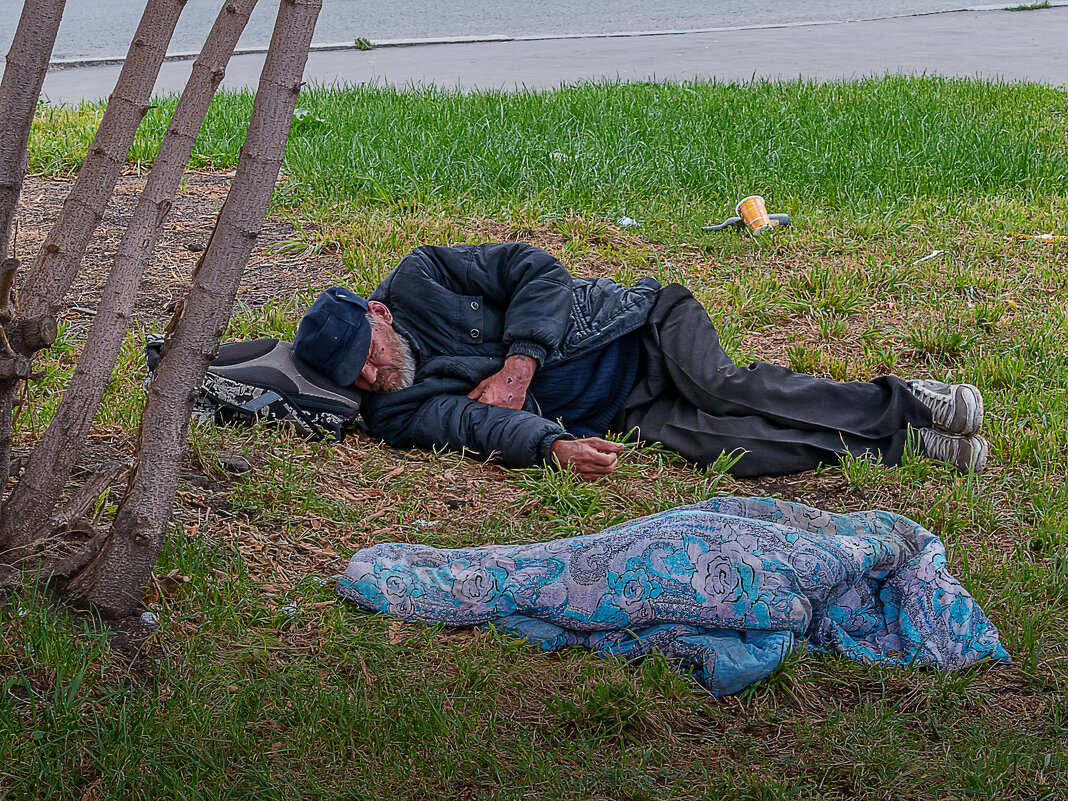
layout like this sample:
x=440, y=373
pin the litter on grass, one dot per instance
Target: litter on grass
x=757, y=223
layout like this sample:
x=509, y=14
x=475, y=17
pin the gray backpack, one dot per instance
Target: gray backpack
x=263, y=380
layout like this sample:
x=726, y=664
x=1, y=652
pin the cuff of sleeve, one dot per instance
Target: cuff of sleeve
x=545, y=447
x=531, y=349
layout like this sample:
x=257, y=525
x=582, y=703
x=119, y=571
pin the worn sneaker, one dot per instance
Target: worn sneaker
x=955, y=408
x=967, y=454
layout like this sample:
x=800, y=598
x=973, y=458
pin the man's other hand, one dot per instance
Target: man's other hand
x=508, y=388
x=591, y=458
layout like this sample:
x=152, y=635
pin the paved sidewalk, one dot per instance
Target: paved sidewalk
x=1026, y=46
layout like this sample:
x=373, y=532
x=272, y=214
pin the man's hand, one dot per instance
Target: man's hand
x=591, y=458
x=508, y=388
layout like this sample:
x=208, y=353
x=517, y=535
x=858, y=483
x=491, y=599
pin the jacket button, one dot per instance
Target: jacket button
x=474, y=305
x=474, y=333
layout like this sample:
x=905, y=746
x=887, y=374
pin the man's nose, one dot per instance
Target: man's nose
x=369, y=373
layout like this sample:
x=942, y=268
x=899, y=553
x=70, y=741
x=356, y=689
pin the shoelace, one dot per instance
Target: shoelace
x=941, y=405
x=939, y=446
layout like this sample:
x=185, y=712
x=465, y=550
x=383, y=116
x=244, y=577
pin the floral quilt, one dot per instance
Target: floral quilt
x=725, y=587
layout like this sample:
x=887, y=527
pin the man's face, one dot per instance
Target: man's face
x=390, y=366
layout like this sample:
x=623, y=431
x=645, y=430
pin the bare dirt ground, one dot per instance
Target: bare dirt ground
x=268, y=276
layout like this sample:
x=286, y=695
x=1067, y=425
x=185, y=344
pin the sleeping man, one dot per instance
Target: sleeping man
x=497, y=350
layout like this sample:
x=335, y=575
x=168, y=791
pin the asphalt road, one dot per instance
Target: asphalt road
x=1001, y=45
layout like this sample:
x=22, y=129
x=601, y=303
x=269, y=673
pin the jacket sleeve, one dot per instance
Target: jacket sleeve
x=532, y=287
x=417, y=418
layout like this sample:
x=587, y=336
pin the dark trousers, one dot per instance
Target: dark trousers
x=693, y=399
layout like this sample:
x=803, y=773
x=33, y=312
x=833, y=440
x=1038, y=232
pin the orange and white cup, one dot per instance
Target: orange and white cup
x=755, y=215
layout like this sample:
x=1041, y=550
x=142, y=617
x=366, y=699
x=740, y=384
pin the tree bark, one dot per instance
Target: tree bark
x=24, y=74
x=49, y=466
x=114, y=581
x=56, y=266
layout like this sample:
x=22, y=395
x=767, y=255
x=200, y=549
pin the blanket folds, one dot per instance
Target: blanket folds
x=726, y=587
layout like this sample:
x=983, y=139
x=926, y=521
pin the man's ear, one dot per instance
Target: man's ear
x=381, y=311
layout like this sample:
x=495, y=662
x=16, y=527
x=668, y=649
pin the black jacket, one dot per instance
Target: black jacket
x=464, y=310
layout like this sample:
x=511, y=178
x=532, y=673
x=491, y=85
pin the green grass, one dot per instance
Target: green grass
x=1031, y=7
x=676, y=154
x=258, y=685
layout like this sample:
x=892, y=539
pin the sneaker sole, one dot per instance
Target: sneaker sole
x=980, y=454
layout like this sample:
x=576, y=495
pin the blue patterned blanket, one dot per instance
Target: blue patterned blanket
x=726, y=587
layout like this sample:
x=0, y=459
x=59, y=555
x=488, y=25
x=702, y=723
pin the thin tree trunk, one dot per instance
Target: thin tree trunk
x=57, y=264
x=114, y=581
x=24, y=74
x=39, y=488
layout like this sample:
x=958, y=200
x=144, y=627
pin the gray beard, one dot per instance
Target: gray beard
x=402, y=376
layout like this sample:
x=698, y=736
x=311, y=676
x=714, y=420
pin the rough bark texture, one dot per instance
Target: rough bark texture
x=9, y=369
x=24, y=74
x=49, y=466
x=56, y=266
x=114, y=581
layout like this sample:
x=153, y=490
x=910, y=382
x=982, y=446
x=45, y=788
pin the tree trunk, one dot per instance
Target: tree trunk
x=114, y=581
x=49, y=466
x=24, y=74
x=56, y=266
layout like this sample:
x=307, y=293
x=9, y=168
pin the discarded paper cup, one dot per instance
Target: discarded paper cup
x=755, y=215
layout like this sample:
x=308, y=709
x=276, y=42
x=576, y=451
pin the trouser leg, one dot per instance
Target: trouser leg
x=692, y=394
x=703, y=374
x=765, y=449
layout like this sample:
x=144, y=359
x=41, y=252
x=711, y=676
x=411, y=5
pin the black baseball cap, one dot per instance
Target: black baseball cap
x=334, y=335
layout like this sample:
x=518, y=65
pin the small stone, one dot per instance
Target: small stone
x=149, y=620
x=289, y=610
x=197, y=480
x=194, y=247
x=234, y=462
